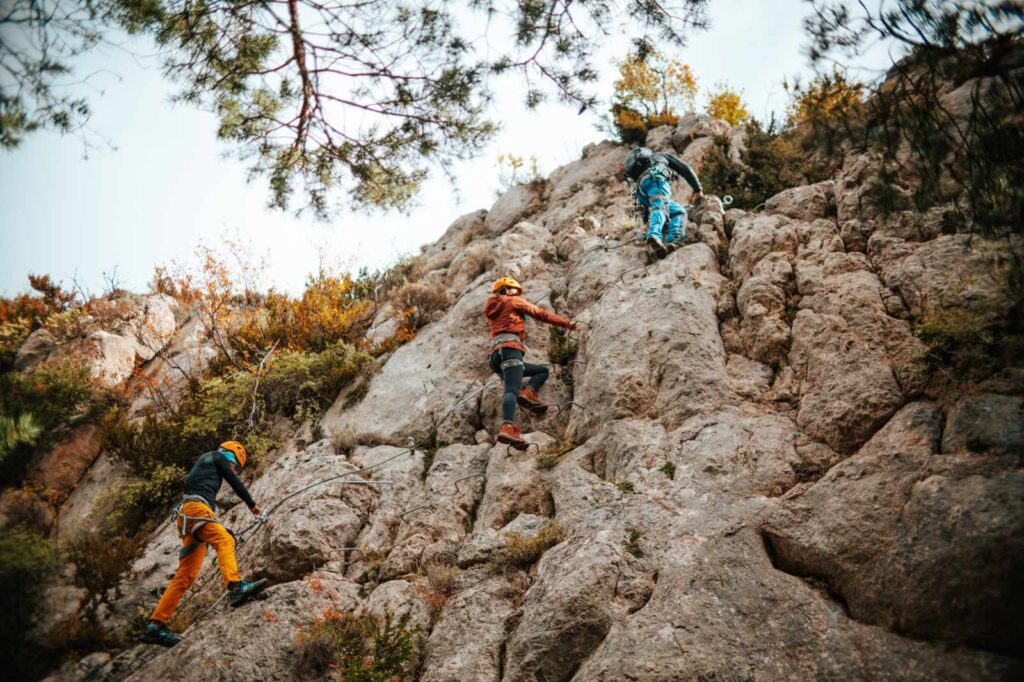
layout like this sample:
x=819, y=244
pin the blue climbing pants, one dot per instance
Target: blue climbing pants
x=654, y=193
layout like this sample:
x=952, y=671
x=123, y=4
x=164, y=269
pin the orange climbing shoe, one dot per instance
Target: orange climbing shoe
x=510, y=435
x=529, y=400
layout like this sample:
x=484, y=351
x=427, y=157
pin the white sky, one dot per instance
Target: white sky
x=168, y=184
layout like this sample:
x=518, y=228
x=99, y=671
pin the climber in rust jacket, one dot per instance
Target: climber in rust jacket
x=506, y=311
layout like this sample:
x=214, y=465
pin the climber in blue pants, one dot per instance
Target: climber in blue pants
x=652, y=172
x=654, y=194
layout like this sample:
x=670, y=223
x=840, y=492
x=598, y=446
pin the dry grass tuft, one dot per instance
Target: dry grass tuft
x=523, y=551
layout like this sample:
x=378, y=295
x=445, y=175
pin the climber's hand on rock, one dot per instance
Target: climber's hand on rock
x=697, y=196
x=255, y=510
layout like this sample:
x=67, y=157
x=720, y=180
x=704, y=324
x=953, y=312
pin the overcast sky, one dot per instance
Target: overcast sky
x=166, y=184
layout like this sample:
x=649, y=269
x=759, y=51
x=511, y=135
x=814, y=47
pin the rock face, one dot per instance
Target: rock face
x=112, y=338
x=744, y=477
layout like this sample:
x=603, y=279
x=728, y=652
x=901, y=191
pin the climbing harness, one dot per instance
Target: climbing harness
x=504, y=337
x=198, y=521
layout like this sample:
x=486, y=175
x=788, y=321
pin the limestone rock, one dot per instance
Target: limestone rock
x=58, y=472
x=485, y=610
x=986, y=423
x=36, y=348
x=878, y=529
x=596, y=581
x=727, y=598
x=89, y=505
x=664, y=358
x=660, y=139
x=514, y=205
x=743, y=479
x=804, y=203
x=255, y=643
x=957, y=271
x=693, y=126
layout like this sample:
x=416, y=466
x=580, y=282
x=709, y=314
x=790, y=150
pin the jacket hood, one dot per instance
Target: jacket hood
x=492, y=307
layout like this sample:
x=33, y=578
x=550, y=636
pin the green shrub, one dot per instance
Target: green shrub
x=669, y=469
x=12, y=335
x=553, y=454
x=15, y=432
x=359, y=646
x=135, y=501
x=633, y=537
x=55, y=396
x=27, y=560
x=100, y=560
x=562, y=348
x=52, y=393
x=770, y=163
x=960, y=342
x=625, y=486
x=545, y=462
x=300, y=384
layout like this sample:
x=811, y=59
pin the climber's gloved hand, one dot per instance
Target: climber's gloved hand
x=696, y=198
x=255, y=510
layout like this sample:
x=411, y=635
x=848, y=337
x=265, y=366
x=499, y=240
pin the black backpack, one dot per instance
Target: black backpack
x=642, y=159
x=637, y=161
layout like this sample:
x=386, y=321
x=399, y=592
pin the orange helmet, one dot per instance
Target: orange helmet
x=239, y=451
x=506, y=282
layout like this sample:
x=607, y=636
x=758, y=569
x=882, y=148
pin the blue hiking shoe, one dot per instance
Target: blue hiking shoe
x=243, y=590
x=157, y=633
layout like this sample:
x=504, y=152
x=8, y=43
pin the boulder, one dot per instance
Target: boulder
x=514, y=205
x=986, y=423
x=722, y=596
x=36, y=348
x=959, y=272
x=585, y=584
x=693, y=126
x=923, y=544
x=804, y=203
x=486, y=609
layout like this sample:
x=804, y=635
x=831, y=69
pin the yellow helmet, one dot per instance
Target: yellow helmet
x=238, y=449
x=506, y=282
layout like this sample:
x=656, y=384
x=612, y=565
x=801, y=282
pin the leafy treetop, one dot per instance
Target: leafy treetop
x=338, y=98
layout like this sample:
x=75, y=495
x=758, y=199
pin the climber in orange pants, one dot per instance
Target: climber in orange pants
x=198, y=527
x=506, y=311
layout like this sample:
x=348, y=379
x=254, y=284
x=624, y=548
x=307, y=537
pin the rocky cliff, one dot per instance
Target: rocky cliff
x=751, y=475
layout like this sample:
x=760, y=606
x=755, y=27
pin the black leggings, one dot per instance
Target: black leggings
x=513, y=375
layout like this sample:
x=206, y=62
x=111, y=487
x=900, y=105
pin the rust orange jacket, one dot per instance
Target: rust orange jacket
x=507, y=315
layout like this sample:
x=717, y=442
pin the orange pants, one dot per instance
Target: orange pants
x=190, y=560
